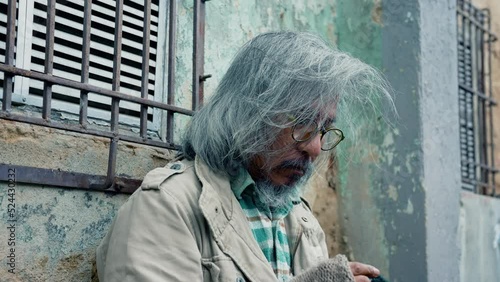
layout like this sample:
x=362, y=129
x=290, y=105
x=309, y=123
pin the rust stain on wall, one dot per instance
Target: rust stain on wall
x=377, y=12
x=70, y=263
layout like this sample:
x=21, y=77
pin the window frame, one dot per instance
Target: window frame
x=475, y=98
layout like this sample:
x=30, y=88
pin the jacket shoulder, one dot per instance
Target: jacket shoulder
x=157, y=176
x=304, y=214
x=178, y=179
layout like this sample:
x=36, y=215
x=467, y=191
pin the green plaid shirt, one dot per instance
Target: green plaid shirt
x=267, y=225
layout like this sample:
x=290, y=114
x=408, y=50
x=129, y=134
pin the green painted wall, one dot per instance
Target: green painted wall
x=399, y=184
x=232, y=23
x=359, y=32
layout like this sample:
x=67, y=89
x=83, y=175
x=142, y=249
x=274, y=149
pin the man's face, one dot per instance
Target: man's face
x=291, y=164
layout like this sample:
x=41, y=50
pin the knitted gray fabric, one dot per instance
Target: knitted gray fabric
x=332, y=270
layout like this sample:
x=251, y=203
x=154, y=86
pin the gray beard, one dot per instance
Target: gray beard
x=280, y=196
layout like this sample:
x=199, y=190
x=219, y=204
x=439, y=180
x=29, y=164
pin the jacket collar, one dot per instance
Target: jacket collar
x=229, y=225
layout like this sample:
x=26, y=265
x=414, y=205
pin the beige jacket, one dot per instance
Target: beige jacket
x=185, y=224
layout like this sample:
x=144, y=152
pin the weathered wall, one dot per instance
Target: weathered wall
x=322, y=195
x=440, y=138
x=479, y=237
x=399, y=197
x=58, y=229
x=358, y=28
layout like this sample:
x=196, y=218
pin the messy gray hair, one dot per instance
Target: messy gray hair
x=274, y=76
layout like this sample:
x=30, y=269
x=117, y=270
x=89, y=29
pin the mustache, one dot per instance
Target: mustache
x=300, y=164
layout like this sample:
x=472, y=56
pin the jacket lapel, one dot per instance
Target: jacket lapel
x=229, y=225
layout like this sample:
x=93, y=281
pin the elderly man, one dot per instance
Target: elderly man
x=230, y=207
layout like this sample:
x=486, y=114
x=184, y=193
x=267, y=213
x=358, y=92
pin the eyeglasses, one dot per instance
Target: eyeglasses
x=330, y=137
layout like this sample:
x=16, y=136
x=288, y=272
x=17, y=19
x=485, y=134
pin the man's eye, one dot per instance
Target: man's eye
x=307, y=134
x=304, y=132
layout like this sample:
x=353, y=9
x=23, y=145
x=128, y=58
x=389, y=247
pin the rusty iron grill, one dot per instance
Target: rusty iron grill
x=476, y=101
x=110, y=182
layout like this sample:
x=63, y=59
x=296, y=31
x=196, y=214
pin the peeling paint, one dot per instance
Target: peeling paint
x=496, y=240
x=409, y=207
x=409, y=17
x=377, y=12
x=393, y=193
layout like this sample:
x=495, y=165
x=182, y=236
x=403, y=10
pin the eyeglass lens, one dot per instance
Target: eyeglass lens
x=329, y=139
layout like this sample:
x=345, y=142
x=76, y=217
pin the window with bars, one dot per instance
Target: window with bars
x=99, y=60
x=476, y=103
x=68, y=34
x=68, y=40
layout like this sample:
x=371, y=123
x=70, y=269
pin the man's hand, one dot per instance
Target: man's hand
x=363, y=272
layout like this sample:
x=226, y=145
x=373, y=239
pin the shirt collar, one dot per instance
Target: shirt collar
x=241, y=182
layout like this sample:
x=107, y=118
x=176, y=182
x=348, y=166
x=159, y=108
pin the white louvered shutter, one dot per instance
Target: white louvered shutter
x=3, y=35
x=68, y=55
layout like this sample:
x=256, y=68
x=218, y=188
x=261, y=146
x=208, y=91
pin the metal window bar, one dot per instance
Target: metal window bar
x=110, y=182
x=171, y=68
x=476, y=101
x=84, y=97
x=49, y=57
x=145, y=67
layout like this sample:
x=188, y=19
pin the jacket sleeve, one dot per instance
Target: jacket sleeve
x=151, y=239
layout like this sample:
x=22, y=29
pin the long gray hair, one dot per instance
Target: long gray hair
x=275, y=76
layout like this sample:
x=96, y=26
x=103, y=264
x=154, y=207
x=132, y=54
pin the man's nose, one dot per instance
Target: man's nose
x=312, y=147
